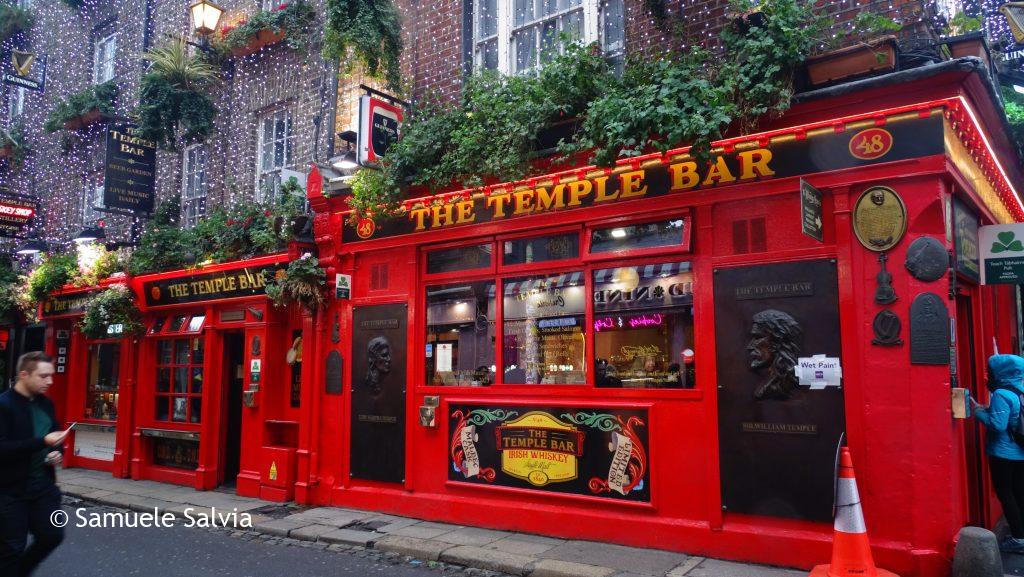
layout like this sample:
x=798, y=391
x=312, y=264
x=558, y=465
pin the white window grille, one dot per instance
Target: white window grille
x=92, y=199
x=193, y=187
x=274, y=152
x=15, y=103
x=514, y=36
x=104, y=52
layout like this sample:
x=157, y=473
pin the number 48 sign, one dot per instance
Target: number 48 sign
x=871, y=144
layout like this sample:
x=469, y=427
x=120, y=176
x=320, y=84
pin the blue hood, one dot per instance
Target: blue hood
x=1007, y=371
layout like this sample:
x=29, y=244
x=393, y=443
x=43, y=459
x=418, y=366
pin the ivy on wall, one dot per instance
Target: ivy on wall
x=368, y=32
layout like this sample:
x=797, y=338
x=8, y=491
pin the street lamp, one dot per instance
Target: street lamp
x=31, y=246
x=205, y=16
x=348, y=160
x=91, y=233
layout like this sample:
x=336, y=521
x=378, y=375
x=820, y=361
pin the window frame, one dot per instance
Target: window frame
x=88, y=386
x=15, y=104
x=169, y=396
x=593, y=25
x=93, y=186
x=107, y=66
x=586, y=264
x=189, y=201
x=289, y=149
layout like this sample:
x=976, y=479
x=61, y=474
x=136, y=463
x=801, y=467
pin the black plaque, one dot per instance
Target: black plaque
x=887, y=327
x=777, y=438
x=810, y=211
x=334, y=373
x=129, y=174
x=927, y=259
x=965, y=240
x=66, y=304
x=593, y=451
x=929, y=330
x=16, y=213
x=225, y=284
x=378, y=392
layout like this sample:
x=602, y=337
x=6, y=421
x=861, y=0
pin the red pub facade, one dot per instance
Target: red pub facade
x=663, y=354
x=638, y=381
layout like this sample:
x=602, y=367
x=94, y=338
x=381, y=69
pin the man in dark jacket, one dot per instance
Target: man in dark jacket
x=29, y=439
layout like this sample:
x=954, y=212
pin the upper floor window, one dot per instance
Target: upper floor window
x=92, y=199
x=24, y=4
x=15, y=103
x=274, y=152
x=514, y=36
x=103, y=58
x=193, y=188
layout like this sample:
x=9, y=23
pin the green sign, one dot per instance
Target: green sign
x=1002, y=251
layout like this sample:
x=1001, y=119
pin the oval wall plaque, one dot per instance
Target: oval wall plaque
x=879, y=218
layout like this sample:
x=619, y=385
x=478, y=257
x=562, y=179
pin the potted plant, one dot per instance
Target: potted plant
x=965, y=38
x=13, y=19
x=873, y=53
x=302, y=282
x=83, y=108
x=54, y=272
x=12, y=145
x=291, y=21
x=111, y=313
x=175, y=95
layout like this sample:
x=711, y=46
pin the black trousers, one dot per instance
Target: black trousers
x=20, y=516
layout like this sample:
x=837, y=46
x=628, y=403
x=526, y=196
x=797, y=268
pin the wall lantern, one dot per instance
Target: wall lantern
x=31, y=246
x=205, y=15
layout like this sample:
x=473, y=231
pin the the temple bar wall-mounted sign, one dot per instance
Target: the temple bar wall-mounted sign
x=227, y=284
x=906, y=138
x=16, y=213
x=129, y=175
x=66, y=304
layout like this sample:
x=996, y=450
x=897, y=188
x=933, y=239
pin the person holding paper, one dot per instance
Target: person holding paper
x=29, y=450
x=1005, y=456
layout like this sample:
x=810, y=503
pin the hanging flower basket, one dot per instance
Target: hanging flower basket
x=111, y=314
x=970, y=44
x=83, y=120
x=876, y=57
x=303, y=283
x=264, y=37
x=7, y=151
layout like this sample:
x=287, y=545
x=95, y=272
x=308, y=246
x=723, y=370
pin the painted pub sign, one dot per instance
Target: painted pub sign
x=594, y=452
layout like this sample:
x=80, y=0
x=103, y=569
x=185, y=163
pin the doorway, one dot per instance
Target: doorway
x=234, y=357
x=968, y=378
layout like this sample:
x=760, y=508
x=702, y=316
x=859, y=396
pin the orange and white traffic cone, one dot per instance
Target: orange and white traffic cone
x=851, y=553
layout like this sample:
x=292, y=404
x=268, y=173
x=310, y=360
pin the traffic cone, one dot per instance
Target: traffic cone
x=851, y=553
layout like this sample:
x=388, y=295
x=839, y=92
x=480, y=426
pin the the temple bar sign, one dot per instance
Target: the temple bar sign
x=130, y=172
x=228, y=284
x=906, y=138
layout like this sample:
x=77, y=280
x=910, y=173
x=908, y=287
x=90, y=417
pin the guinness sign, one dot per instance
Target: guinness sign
x=20, y=71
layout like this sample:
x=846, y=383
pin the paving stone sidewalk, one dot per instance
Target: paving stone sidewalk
x=518, y=554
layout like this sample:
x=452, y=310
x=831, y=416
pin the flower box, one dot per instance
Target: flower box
x=82, y=120
x=970, y=44
x=865, y=59
x=264, y=37
x=7, y=151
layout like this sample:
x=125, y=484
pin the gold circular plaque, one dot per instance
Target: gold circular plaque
x=879, y=218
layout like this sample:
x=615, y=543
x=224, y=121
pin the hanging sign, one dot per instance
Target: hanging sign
x=593, y=452
x=910, y=138
x=379, y=122
x=810, y=211
x=20, y=72
x=1002, y=253
x=129, y=175
x=16, y=213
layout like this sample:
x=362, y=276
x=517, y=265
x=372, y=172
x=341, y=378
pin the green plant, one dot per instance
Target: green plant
x=302, y=282
x=76, y=4
x=113, y=306
x=13, y=19
x=492, y=136
x=1013, y=104
x=100, y=97
x=10, y=287
x=175, y=95
x=96, y=263
x=367, y=31
x=55, y=271
x=961, y=23
x=163, y=245
x=296, y=20
x=15, y=139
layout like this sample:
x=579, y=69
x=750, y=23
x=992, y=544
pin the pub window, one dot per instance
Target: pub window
x=179, y=380
x=643, y=327
x=193, y=197
x=515, y=36
x=104, y=51
x=543, y=329
x=92, y=199
x=274, y=153
x=102, y=380
x=460, y=334
x=459, y=258
x=659, y=234
x=541, y=248
x=158, y=325
x=15, y=104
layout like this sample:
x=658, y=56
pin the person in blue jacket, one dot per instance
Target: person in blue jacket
x=1005, y=456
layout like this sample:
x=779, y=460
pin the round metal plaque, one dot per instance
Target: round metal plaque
x=927, y=259
x=879, y=218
